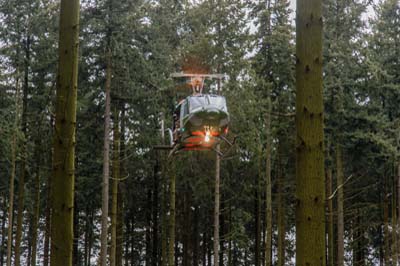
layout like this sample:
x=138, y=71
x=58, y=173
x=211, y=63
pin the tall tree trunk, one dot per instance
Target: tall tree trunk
x=121, y=191
x=330, y=217
x=128, y=239
x=148, y=227
x=172, y=194
x=3, y=230
x=156, y=174
x=36, y=214
x=310, y=175
x=356, y=236
x=398, y=208
x=381, y=252
x=257, y=201
x=235, y=255
x=164, y=222
x=75, y=250
x=340, y=202
x=281, y=211
x=222, y=231
x=209, y=251
x=86, y=243
x=29, y=238
x=21, y=180
x=120, y=226
x=64, y=137
x=186, y=228
x=106, y=165
x=386, y=223
x=177, y=244
x=47, y=221
x=14, y=147
x=230, y=238
x=204, y=246
x=115, y=181
x=360, y=242
x=11, y=198
x=132, y=242
x=164, y=196
x=196, y=246
x=394, y=224
x=216, y=206
x=268, y=187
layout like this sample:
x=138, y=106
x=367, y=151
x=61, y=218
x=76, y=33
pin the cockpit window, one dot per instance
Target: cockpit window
x=205, y=101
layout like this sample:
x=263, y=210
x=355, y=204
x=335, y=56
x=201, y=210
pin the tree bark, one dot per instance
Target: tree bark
x=64, y=137
x=115, y=182
x=398, y=208
x=281, y=211
x=121, y=191
x=257, y=249
x=3, y=230
x=340, y=202
x=154, y=259
x=330, y=217
x=148, y=227
x=48, y=222
x=106, y=165
x=132, y=240
x=36, y=214
x=21, y=180
x=29, y=238
x=268, y=187
x=386, y=223
x=216, y=206
x=204, y=246
x=196, y=246
x=164, y=196
x=186, y=229
x=11, y=198
x=87, y=236
x=394, y=224
x=171, y=244
x=222, y=230
x=230, y=238
x=310, y=176
x=75, y=250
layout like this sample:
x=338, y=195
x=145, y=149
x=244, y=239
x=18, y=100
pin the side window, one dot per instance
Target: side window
x=183, y=111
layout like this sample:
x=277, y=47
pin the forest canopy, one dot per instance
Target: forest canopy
x=86, y=94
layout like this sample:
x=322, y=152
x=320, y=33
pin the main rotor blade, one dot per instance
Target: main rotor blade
x=194, y=75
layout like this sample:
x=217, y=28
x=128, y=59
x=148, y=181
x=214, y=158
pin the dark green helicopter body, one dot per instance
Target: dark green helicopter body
x=200, y=121
x=203, y=120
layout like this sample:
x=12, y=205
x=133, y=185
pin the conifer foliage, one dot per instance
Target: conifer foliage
x=312, y=92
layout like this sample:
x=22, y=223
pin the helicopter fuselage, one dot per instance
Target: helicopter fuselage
x=200, y=121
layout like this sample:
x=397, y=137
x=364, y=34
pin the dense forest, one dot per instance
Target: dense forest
x=86, y=93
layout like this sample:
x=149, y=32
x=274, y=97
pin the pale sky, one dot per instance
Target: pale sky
x=367, y=15
x=293, y=4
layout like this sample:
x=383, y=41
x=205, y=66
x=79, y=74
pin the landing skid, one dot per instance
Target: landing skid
x=174, y=148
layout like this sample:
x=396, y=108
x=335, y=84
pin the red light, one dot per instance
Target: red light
x=197, y=133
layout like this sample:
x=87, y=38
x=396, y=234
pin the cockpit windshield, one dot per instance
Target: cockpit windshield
x=206, y=101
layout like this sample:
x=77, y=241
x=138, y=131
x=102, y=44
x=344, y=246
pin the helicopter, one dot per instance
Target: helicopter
x=200, y=121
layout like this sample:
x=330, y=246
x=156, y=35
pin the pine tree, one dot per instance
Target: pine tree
x=310, y=181
x=64, y=136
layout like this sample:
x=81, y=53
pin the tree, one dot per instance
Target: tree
x=217, y=206
x=310, y=185
x=115, y=198
x=64, y=136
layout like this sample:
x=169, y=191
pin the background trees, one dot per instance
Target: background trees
x=253, y=43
